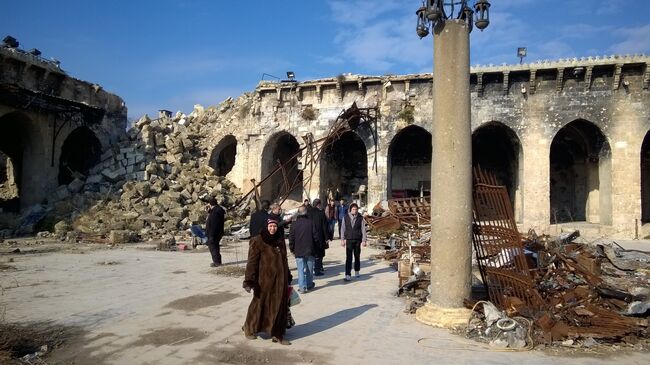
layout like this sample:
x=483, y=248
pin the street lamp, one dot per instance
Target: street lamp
x=450, y=23
x=435, y=12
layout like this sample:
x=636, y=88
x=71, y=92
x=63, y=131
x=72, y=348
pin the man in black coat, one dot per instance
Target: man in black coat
x=259, y=218
x=214, y=230
x=303, y=244
x=317, y=216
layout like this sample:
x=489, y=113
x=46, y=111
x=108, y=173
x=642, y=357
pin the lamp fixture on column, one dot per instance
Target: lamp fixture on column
x=434, y=12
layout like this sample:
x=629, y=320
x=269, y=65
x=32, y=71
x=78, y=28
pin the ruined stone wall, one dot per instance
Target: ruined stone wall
x=40, y=106
x=531, y=102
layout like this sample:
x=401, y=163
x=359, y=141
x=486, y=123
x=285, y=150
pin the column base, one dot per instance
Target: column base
x=435, y=316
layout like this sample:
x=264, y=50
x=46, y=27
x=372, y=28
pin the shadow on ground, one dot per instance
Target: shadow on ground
x=327, y=322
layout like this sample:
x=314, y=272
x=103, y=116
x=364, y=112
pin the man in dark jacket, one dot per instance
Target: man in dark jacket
x=303, y=243
x=354, y=236
x=259, y=218
x=276, y=215
x=214, y=230
x=317, y=216
x=341, y=212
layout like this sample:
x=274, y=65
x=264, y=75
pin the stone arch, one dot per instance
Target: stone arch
x=283, y=147
x=80, y=151
x=409, y=163
x=16, y=134
x=645, y=179
x=223, y=156
x=497, y=149
x=344, y=167
x=580, y=175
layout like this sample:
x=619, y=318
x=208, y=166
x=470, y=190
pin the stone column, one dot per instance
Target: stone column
x=451, y=179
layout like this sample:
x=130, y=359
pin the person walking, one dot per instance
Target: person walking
x=276, y=214
x=331, y=215
x=354, y=236
x=259, y=218
x=319, y=221
x=303, y=244
x=341, y=213
x=268, y=277
x=214, y=230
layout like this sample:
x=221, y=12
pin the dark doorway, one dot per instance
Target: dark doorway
x=80, y=152
x=496, y=149
x=282, y=148
x=580, y=175
x=344, y=168
x=13, y=140
x=223, y=155
x=409, y=163
x=645, y=179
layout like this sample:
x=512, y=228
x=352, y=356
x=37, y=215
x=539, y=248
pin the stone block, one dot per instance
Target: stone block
x=121, y=236
x=94, y=179
x=61, y=193
x=76, y=185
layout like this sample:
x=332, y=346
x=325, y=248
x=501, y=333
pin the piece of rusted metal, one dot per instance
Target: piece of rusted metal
x=565, y=294
x=499, y=246
x=415, y=212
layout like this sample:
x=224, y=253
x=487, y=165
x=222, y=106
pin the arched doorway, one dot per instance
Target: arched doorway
x=497, y=149
x=281, y=148
x=645, y=179
x=344, y=167
x=14, y=137
x=580, y=176
x=222, y=158
x=409, y=163
x=81, y=151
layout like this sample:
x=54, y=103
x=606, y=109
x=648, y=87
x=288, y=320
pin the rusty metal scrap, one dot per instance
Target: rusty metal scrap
x=414, y=212
x=561, y=290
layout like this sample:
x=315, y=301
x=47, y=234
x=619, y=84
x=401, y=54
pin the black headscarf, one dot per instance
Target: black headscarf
x=268, y=238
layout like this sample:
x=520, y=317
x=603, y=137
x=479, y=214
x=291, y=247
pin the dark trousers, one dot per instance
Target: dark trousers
x=318, y=265
x=340, y=221
x=352, y=247
x=215, y=249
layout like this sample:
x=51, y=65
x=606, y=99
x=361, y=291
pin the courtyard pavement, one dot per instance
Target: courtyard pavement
x=135, y=305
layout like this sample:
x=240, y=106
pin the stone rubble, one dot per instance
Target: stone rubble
x=154, y=183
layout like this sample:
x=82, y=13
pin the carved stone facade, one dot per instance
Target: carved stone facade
x=566, y=137
x=52, y=126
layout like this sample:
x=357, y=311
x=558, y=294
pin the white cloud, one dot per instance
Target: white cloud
x=633, y=40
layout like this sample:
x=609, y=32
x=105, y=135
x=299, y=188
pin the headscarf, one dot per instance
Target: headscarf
x=267, y=237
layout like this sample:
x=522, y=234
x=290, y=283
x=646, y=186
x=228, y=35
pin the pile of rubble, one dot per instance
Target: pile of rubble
x=154, y=182
x=571, y=291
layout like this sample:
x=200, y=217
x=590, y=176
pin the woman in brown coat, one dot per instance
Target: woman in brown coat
x=267, y=274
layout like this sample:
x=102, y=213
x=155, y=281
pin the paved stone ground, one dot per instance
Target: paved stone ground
x=135, y=305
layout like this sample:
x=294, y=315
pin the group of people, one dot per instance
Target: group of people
x=267, y=270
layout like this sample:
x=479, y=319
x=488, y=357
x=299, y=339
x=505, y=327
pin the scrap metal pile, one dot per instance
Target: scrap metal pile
x=569, y=290
x=411, y=212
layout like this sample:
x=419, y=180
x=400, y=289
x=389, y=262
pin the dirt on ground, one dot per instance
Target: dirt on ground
x=24, y=341
x=195, y=302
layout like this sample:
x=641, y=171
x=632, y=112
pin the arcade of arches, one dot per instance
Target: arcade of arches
x=81, y=151
x=344, y=168
x=580, y=175
x=222, y=158
x=409, y=163
x=282, y=148
x=14, y=133
x=496, y=148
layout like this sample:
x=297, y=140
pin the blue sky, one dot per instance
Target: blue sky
x=164, y=54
